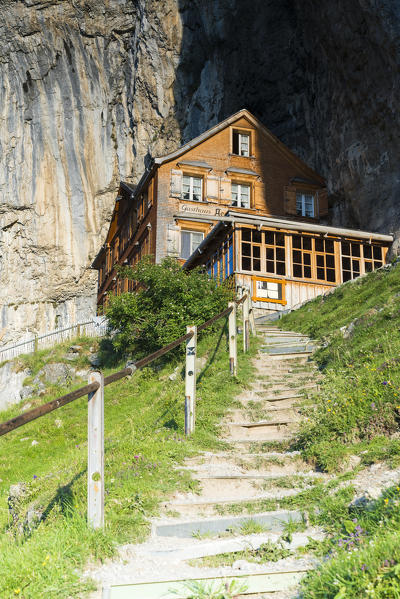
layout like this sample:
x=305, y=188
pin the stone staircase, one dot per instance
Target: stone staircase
x=237, y=506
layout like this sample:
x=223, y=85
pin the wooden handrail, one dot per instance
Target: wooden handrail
x=10, y=425
x=54, y=404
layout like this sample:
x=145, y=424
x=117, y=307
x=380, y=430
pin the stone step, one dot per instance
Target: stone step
x=233, y=489
x=272, y=400
x=272, y=521
x=297, y=350
x=253, y=443
x=239, y=542
x=278, y=357
x=265, y=423
x=193, y=505
x=267, y=396
x=282, y=388
x=258, y=464
x=256, y=584
x=278, y=341
x=252, y=476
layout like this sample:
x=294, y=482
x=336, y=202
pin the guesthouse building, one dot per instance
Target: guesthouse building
x=237, y=201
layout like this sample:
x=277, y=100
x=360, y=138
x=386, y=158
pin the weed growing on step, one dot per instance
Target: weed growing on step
x=251, y=527
x=212, y=590
x=144, y=440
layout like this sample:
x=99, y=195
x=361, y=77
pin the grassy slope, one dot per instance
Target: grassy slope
x=357, y=412
x=143, y=441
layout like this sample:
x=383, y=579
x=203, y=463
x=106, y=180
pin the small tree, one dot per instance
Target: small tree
x=168, y=299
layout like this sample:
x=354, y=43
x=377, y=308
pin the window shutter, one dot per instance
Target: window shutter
x=225, y=189
x=321, y=202
x=235, y=143
x=212, y=187
x=176, y=183
x=173, y=240
x=289, y=196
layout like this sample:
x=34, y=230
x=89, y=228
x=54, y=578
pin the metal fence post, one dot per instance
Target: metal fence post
x=190, y=381
x=246, y=332
x=96, y=452
x=232, y=339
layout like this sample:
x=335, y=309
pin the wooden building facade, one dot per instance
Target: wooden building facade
x=284, y=263
x=235, y=170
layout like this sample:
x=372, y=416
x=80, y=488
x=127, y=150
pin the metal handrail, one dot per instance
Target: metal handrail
x=35, y=413
x=34, y=341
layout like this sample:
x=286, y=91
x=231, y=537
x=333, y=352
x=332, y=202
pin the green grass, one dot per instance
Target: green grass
x=357, y=413
x=144, y=440
x=359, y=401
x=362, y=555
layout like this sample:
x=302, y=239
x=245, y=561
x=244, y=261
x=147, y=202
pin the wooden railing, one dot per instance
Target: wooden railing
x=95, y=392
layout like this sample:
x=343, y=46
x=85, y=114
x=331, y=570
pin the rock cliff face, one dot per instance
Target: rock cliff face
x=90, y=89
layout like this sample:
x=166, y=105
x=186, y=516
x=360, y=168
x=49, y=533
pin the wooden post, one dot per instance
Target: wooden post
x=232, y=339
x=251, y=316
x=36, y=344
x=246, y=332
x=190, y=381
x=79, y=330
x=96, y=452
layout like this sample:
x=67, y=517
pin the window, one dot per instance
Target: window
x=251, y=249
x=192, y=188
x=302, y=249
x=351, y=259
x=241, y=143
x=305, y=204
x=263, y=251
x=275, y=253
x=269, y=290
x=240, y=195
x=325, y=259
x=190, y=241
x=372, y=257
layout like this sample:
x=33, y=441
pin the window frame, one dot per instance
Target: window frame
x=314, y=253
x=263, y=246
x=303, y=251
x=281, y=282
x=191, y=177
x=303, y=212
x=241, y=133
x=325, y=266
x=191, y=232
x=241, y=184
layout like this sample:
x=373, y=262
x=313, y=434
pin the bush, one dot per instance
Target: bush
x=167, y=301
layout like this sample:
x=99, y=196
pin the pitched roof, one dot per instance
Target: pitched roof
x=243, y=113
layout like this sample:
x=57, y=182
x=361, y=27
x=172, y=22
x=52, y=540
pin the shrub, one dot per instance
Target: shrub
x=168, y=299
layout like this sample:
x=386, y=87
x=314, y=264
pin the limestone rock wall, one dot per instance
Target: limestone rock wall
x=89, y=89
x=322, y=75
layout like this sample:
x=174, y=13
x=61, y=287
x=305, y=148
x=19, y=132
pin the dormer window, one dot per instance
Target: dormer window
x=305, y=204
x=192, y=188
x=241, y=143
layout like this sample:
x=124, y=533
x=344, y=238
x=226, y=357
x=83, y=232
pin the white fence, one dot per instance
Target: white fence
x=92, y=328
